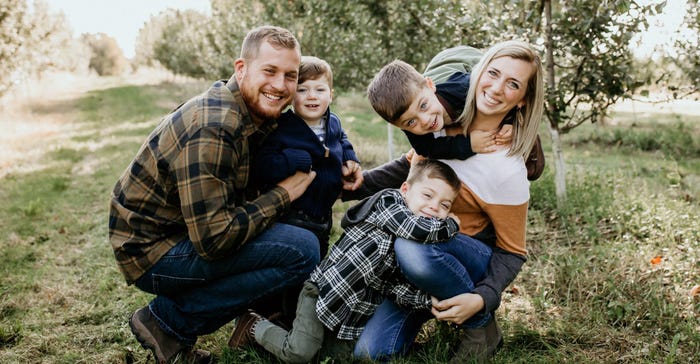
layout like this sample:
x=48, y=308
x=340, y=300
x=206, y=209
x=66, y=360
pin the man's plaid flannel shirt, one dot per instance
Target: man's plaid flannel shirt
x=189, y=181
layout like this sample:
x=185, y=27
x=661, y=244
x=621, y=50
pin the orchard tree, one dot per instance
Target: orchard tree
x=106, y=58
x=359, y=37
x=193, y=44
x=688, y=58
x=50, y=44
x=13, y=24
x=356, y=37
x=182, y=43
x=586, y=52
x=588, y=64
x=31, y=41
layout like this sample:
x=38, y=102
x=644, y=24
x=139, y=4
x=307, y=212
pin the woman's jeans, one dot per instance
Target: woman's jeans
x=444, y=270
x=196, y=297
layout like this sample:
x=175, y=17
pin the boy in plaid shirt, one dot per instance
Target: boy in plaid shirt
x=360, y=271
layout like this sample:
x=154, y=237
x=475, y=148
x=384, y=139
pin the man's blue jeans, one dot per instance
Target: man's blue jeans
x=443, y=270
x=196, y=297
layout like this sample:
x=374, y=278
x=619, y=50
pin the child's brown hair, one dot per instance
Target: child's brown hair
x=393, y=89
x=313, y=68
x=432, y=168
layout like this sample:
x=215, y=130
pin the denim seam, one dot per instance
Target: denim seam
x=168, y=330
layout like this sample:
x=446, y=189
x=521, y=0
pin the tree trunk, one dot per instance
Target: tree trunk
x=559, y=170
x=559, y=167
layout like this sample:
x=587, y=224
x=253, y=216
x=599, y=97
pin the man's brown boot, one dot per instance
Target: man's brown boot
x=243, y=335
x=479, y=344
x=166, y=349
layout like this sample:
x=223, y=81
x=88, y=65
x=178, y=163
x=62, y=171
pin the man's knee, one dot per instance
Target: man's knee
x=304, y=241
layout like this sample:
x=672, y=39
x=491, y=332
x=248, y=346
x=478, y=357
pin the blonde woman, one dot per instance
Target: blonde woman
x=467, y=275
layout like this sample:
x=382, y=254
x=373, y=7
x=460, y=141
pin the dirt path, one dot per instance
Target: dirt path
x=38, y=117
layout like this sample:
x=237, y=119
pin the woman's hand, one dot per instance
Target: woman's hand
x=458, y=308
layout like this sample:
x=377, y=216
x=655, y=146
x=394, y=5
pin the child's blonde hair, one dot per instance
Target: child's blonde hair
x=393, y=89
x=313, y=68
x=527, y=117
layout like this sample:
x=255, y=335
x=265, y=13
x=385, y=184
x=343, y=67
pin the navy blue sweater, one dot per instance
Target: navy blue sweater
x=294, y=147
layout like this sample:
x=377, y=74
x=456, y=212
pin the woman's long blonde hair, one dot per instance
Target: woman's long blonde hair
x=527, y=117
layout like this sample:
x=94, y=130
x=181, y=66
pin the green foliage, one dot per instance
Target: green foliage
x=180, y=46
x=592, y=60
x=688, y=58
x=588, y=204
x=10, y=334
x=124, y=103
x=356, y=38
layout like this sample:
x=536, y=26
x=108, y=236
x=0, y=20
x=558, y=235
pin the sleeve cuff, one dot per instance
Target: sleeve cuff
x=297, y=160
x=491, y=299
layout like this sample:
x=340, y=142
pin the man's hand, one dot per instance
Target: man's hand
x=297, y=184
x=458, y=308
x=352, y=175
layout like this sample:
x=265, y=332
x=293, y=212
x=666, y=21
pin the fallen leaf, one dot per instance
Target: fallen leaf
x=695, y=290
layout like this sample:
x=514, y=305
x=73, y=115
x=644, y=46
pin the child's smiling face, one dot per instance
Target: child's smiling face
x=312, y=99
x=429, y=197
x=425, y=114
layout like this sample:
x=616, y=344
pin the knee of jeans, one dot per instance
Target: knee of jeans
x=307, y=245
x=373, y=351
x=415, y=262
x=365, y=350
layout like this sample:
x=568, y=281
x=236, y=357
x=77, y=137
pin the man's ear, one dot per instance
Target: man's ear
x=430, y=83
x=239, y=68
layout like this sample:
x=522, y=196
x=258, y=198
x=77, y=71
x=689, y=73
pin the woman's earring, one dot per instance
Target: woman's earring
x=519, y=115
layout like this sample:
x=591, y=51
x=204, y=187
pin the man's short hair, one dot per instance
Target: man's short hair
x=278, y=37
x=432, y=168
x=313, y=68
x=393, y=89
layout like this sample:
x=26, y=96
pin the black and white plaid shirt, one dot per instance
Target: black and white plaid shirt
x=360, y=271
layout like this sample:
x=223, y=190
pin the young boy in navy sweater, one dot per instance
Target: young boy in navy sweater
x=309, y=137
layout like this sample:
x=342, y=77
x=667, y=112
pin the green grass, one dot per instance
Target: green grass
x=588, y=293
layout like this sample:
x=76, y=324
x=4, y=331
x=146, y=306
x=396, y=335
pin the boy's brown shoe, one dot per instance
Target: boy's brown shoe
x=243, y=334
x=479, y=344
x=166, y=349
